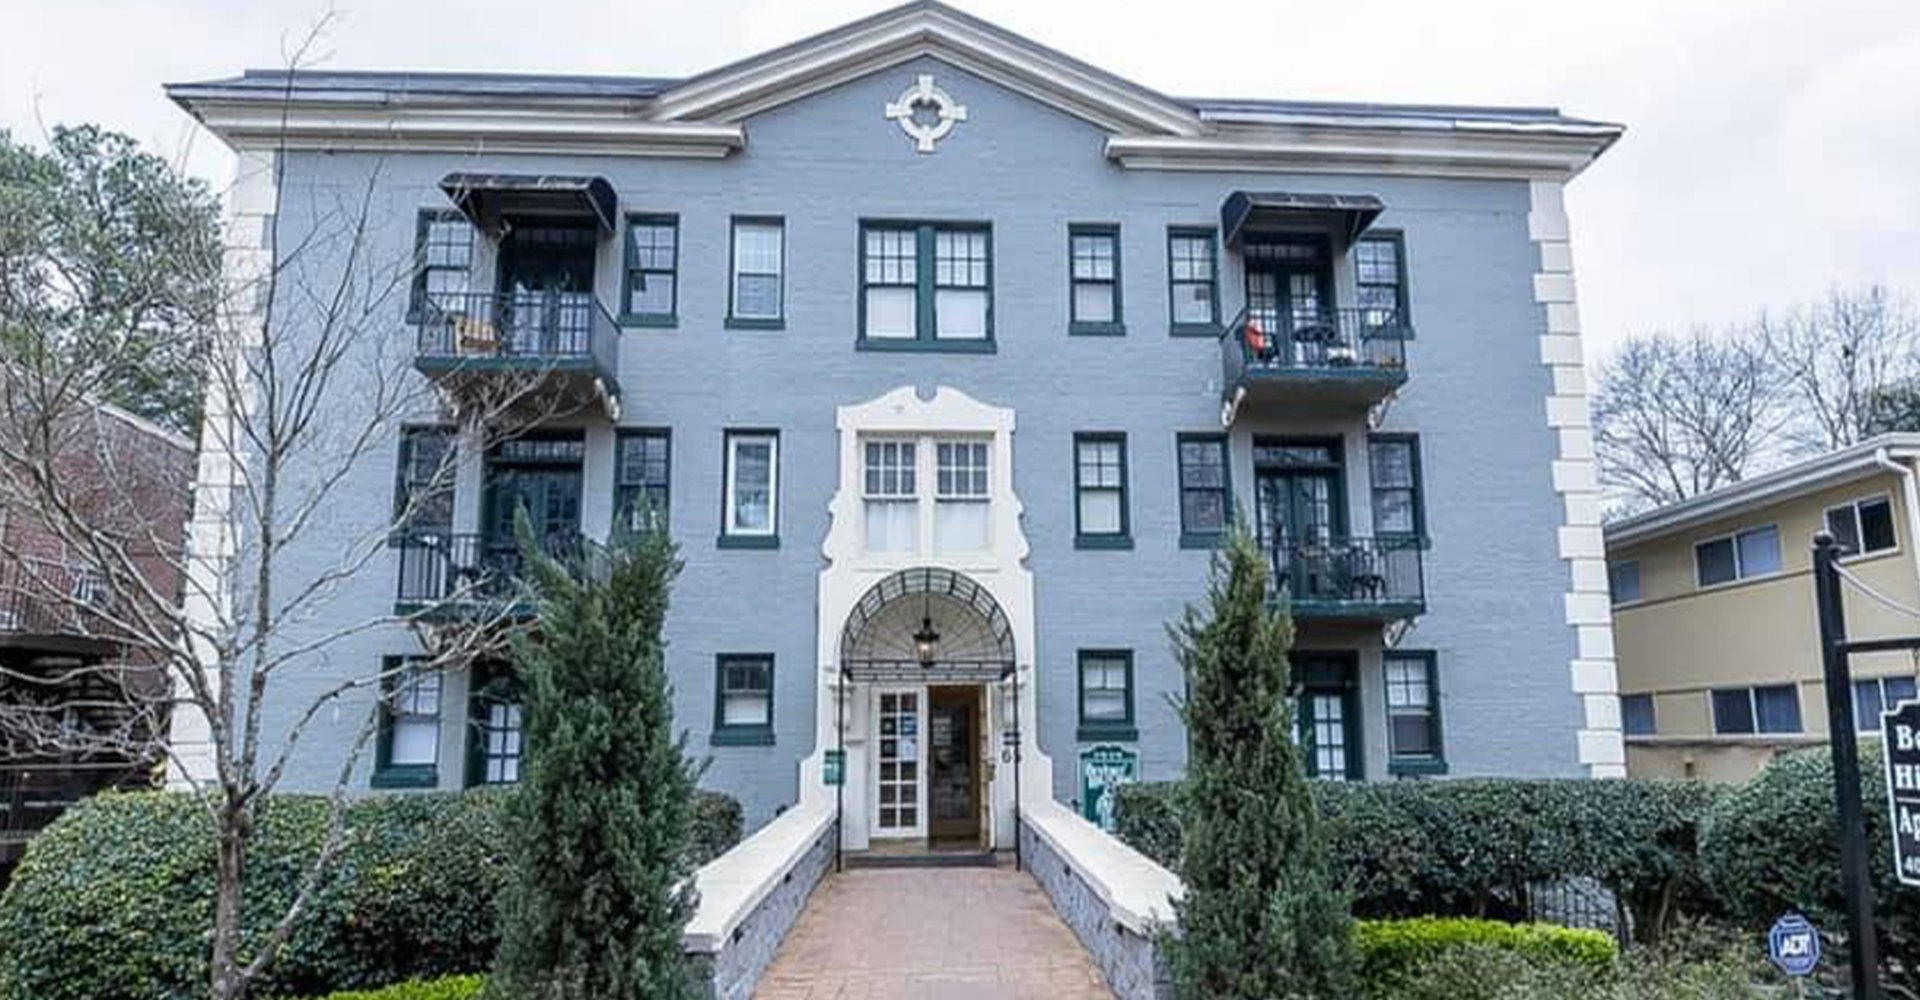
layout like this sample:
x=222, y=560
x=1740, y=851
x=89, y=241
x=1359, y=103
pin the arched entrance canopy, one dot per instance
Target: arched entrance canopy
x=976, y=641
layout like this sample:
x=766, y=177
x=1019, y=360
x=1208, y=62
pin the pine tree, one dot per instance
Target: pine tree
x=1261, y=919
x=600, y=889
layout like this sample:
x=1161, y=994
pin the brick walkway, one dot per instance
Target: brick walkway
x=931, y=934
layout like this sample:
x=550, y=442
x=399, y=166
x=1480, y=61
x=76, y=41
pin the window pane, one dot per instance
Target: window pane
x=1391, y=463
x=1777, y=709
x=1192, y=303
x=1636, y=714
x=1623, y=580
x=1876, y=526
x=1407, y=684
x=757, y=296
x=1713, y=561
x=1099, y=512
x=963, y=469
x=1203, y=512
x=756, y=248
x=1759, y=551
x=1099, y=463
x=960, y=526
x=650, y=293
x=414, y=741
x=892, y=525
x=1412, y=735
x=1900, y=690
x=891, y=313
x=1733, y=711
x=1844, y=524
x=961, y=314
x=745, y=709
x=1867, y=705
x=752, y=502
x=1093, y=302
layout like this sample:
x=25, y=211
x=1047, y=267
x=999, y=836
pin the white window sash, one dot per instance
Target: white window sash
x=773, y=484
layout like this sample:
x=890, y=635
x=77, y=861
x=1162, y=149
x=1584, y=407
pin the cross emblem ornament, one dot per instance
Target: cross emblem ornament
x=926, y=113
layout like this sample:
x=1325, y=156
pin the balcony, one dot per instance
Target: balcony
x=50, y=605
x=1351, y=579
x=532, y=353
x=467, y=576
x=1326, y=359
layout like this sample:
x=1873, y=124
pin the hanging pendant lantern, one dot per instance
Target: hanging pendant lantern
x=926, y=642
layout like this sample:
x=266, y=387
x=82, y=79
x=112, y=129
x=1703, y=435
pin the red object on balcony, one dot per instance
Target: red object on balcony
x=1256, y=338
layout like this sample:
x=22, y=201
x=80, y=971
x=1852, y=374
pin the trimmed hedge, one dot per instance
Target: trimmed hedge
x=1472, y=847
x=1773, y=846
x=1393, y=952
x=114, y=901
x=449, y=988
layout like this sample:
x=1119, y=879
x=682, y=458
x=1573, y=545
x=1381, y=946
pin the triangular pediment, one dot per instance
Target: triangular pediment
x=737, y=91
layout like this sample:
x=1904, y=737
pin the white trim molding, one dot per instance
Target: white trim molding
x=292, y=122
x=1460, y=150
x=1589, y=611
x=852, y=570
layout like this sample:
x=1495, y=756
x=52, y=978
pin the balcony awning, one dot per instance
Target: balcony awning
x=1349, y=215
x=486, y=199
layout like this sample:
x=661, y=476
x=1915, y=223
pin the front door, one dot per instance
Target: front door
x=1328, y=714
x=1289, y=287
x=541, y=476
x=953, y=738
x=1299, y=508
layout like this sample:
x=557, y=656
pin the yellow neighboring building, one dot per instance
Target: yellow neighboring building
x=1713, y=612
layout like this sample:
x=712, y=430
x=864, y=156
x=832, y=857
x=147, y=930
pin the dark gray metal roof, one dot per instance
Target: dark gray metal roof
x=398, y=85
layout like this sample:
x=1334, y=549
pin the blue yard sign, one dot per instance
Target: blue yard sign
x=1794, y=945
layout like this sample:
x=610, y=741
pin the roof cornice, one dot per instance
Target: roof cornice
x=1462, y=150
x=1835, y=468
x=360, y=125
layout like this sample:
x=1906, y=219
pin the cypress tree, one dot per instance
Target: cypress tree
x=600, y=888
x=1261, y=919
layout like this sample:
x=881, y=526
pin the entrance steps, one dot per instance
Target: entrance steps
x=921, y=856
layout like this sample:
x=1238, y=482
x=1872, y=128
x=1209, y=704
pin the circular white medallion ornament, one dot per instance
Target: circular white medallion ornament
x=926, y=113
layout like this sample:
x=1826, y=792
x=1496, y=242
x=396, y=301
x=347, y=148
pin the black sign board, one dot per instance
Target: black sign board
x=1903, y=789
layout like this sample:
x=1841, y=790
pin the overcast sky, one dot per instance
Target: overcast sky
x=1773, y=148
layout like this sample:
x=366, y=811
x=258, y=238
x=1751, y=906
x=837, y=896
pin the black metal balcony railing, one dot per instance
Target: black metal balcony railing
x=518, y=327
x=51, y=598
x=1319, y=339
x=448, y=571
x=1359, y=577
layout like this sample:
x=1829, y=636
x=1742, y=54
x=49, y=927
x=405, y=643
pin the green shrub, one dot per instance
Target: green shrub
x=1773, y=846
x=114, y=901
x=448, y=988
x=1481, y=972
x=1394, y=951
x=1472, y=848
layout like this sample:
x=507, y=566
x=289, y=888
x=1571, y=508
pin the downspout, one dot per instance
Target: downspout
x=1911, y=493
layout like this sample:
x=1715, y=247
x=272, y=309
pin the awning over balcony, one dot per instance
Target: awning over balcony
x=1348, y=215
x=486, y=199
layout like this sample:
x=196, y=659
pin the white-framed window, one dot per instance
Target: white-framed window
x=891, y=488
x=1623, y=581
x=1863, y=526
x=1740, y=556
x=961, y=263
x=753, y=484
x=961, y=496
x=759, y=268
x=1873, y=696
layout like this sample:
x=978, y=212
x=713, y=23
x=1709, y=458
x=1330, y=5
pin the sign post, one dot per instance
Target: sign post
x=1902, y=727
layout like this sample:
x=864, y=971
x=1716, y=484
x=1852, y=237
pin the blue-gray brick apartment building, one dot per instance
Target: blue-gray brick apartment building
x=948, y=359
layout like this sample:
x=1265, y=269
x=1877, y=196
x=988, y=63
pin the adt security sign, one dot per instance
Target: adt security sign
x=1903, y=789
x=1794, y=945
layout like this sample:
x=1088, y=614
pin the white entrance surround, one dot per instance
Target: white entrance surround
x=852, y=569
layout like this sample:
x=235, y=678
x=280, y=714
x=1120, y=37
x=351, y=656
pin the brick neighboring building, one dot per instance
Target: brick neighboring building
x=135, y=480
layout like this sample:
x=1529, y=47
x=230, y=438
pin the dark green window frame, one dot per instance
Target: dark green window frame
x=1407, y=763
x=1078, y=236
x=735, y=321
x=407, y=482
x=1095, y=730
x=1330, y=675
x=926, y=289
x=386, y=774
x=633, y=269
x=737, y=734
x=1402, y=296
x=423, y=257
x=1418, y=488
x=1210, y=328
x=1203, y=538
x=492, y=684
x=630, y=484
x=1122, y=539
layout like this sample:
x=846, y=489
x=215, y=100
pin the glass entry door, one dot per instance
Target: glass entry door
x=1289, y=290
x=541, y=476
x=1328, y=714
x=1298, y=492
x=897, y=810
x=546, y=278
x=953, y=738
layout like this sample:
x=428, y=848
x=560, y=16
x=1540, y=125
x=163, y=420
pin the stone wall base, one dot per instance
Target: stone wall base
x=1132, y=962
x=735, y=969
